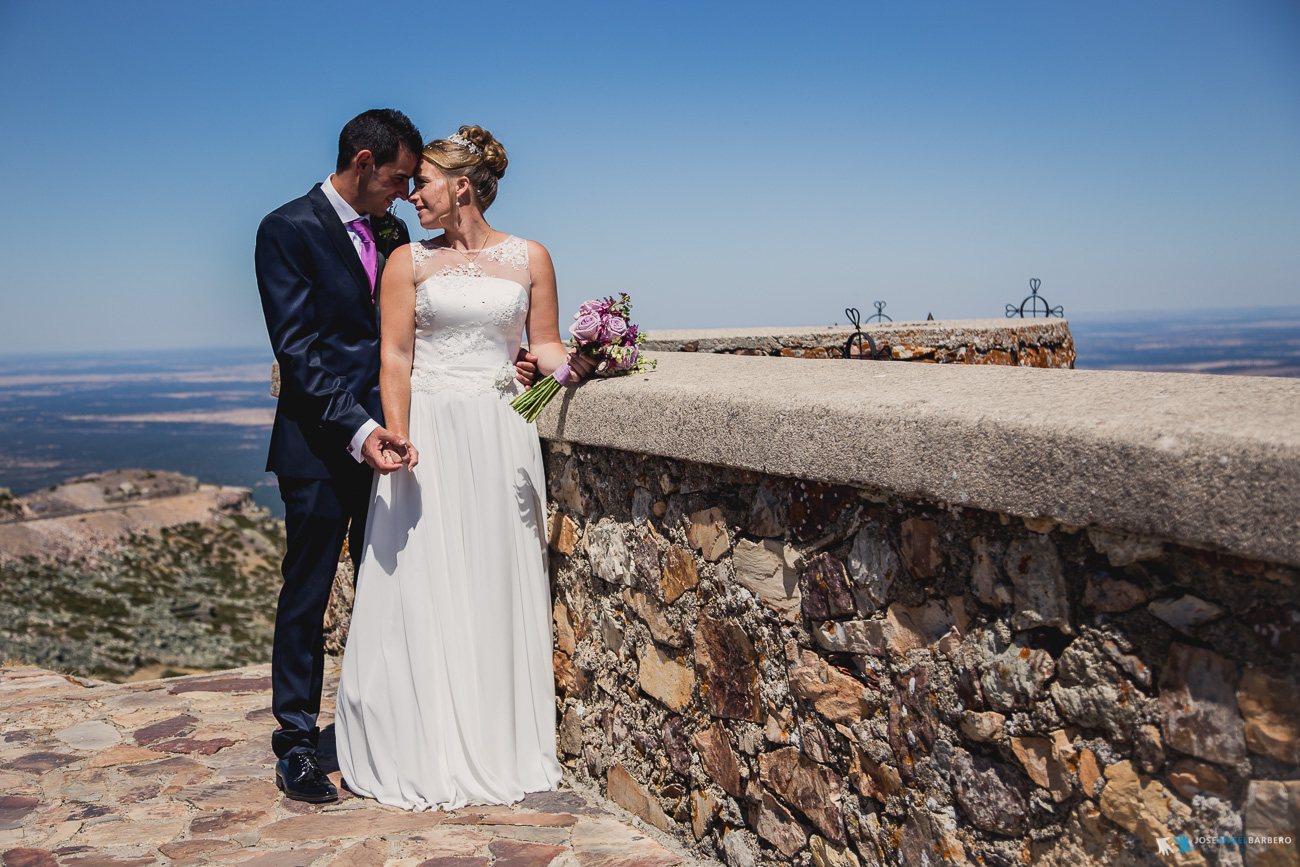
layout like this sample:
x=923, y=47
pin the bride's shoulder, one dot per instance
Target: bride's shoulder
x=539, y=260
x=536, y=252
x=402, y=259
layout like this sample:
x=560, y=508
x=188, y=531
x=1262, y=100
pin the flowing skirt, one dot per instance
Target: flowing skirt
x=447, y=695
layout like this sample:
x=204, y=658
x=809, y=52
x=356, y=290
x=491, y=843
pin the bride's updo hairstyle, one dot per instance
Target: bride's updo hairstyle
x=477, y=155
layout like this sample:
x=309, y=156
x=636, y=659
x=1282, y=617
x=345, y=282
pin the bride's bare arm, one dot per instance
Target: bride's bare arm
x=544, y=318
x=397, y=346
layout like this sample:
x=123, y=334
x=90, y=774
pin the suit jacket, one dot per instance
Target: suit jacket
x=324, y=332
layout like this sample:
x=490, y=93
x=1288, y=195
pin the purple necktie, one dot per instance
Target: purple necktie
x=369, y=253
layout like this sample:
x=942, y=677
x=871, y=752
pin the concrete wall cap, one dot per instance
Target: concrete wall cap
x=1212, y=461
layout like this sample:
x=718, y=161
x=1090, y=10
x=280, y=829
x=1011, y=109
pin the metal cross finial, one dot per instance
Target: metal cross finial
x=1033, y=300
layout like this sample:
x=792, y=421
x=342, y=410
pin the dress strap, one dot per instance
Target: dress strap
x=513, y=251
x=419, y=255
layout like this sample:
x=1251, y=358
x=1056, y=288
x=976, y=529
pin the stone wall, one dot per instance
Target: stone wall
x=1016, y=342
x=777, y=669
x=821, y=612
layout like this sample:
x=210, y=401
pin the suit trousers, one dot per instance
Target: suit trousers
x=319, y=515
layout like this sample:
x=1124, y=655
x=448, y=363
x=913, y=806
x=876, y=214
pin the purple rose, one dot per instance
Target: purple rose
x=586, y=327
x=590, y=307
x=615, y=329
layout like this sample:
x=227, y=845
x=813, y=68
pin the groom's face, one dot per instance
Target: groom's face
x=380, y=185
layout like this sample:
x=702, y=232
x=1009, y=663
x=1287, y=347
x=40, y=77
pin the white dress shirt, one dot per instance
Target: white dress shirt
x=348, y=214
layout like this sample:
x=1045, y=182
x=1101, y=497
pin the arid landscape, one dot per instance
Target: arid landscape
x=136, y=573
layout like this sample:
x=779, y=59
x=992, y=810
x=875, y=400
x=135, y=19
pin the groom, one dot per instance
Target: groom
x=318, y=267
x=319, y=259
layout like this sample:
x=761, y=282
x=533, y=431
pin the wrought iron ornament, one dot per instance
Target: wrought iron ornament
x=1033, y=301
x=858, y=336
x=879, y=315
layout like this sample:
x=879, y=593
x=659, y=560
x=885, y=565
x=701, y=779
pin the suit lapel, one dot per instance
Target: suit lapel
x=338, y=236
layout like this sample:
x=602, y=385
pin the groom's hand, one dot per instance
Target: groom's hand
x=385, y=451
x=526, y=367
x=409, y=460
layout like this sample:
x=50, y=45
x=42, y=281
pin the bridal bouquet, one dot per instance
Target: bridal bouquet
x=604, y=333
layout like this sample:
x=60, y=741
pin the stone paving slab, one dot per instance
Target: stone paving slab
x=179, y=772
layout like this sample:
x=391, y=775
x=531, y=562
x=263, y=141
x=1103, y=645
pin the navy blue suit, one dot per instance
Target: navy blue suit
x=324, y=332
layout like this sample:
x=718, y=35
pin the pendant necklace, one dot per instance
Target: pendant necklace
x=473, y=260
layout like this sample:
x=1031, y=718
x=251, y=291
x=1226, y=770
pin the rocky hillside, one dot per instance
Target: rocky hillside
x=131, y=571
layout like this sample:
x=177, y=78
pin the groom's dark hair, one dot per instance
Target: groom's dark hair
x=383, y=132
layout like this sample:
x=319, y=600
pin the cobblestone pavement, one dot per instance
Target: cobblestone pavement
x=179, y=772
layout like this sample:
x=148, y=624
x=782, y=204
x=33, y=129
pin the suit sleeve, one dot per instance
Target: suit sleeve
x=284, y=280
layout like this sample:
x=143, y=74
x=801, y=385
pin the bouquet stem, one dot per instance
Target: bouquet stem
x=531, y=403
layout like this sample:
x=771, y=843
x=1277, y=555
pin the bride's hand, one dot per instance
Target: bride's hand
x=580, y=366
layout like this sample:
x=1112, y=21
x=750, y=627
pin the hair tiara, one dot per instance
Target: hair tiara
x=457, y=138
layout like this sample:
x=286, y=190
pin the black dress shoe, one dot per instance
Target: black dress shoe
x=299, y=776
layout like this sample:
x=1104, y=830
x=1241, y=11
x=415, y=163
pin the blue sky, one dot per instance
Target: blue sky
x=725, y=163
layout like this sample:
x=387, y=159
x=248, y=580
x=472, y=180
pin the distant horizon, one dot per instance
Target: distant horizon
x=205, y=411
x=1226, y=314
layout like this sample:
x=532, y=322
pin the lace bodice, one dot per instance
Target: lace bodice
x=470, y=310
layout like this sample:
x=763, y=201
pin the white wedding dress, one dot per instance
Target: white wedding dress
x=447, y=696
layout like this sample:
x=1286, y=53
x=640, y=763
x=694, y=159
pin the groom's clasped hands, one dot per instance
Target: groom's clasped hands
x=385, y=451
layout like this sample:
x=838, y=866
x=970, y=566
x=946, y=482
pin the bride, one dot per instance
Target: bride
x=447, y=694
